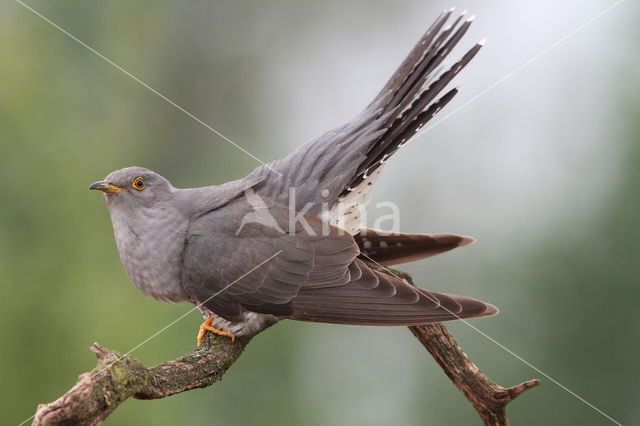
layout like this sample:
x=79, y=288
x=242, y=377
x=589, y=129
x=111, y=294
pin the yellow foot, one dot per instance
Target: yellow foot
x=206, y=326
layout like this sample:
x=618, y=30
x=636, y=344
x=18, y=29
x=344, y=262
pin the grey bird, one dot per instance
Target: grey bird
x=286, y=241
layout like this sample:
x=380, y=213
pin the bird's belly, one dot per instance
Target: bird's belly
x=252, y=323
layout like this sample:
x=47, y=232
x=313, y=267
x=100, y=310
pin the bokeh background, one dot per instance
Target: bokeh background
x=543, y=169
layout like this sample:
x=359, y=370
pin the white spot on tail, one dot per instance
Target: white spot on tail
x=347, y=213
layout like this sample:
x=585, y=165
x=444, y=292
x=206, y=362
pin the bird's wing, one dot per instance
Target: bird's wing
x=348, y=158
x=309, y=272
x=392, y=249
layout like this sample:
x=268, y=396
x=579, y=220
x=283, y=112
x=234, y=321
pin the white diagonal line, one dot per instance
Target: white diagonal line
x=522, y=66
x=518, y=357
x=145, y=85
x=496, y=83
x=175, y=321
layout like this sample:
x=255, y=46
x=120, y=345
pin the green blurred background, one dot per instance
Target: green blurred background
x=543, y=169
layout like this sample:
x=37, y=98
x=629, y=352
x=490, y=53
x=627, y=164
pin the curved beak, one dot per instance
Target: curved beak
x=105, y=187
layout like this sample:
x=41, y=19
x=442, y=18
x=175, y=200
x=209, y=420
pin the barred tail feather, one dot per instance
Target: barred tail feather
x=409, y=105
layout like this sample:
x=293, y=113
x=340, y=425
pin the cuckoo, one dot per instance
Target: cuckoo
x=286, y=241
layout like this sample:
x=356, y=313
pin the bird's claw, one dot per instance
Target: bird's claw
x=206, y=326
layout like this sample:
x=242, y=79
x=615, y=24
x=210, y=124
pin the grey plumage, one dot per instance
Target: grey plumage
x=201, y=244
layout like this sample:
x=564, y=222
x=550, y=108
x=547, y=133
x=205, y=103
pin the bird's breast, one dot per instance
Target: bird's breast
x=150, y=248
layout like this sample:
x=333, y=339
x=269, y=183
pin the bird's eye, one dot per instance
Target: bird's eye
x=138, y=183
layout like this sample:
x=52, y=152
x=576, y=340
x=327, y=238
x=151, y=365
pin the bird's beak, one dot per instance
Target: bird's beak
x=106, y=187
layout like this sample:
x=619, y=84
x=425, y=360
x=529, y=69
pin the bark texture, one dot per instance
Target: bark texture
x=117, y=377
x=489, y=399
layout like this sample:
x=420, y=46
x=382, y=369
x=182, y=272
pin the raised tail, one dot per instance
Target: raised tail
x=339, y=168
x=408, y=97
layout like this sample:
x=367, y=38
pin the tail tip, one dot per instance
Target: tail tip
x=490, y=310
x=465, y=240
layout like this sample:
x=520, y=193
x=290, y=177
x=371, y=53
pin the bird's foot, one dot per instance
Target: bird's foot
x=206, y=326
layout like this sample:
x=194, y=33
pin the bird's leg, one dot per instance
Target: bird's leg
x=206, y=326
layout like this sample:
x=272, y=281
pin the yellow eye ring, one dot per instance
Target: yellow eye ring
x=138, y=183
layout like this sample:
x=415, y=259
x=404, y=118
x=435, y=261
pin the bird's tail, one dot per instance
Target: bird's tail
x=392, y=249
x=408, y=100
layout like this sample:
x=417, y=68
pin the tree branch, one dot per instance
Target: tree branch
x=488, y=398
x=117, y=377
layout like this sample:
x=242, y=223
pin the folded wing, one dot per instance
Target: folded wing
x=306, y=271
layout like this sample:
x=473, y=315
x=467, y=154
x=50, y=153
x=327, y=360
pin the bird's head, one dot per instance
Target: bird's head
x=133, y=187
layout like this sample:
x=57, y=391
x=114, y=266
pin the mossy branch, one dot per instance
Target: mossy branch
x=117, y=377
